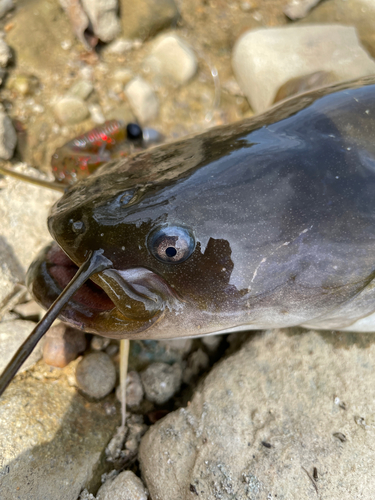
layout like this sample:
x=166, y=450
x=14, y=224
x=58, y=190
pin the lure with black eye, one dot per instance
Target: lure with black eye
x=266, y=223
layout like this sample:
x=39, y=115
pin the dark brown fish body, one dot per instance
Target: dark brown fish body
x=266, y=223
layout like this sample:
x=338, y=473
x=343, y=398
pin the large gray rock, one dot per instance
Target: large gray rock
x=291, y=415
x=264, y=60
x=51, y=440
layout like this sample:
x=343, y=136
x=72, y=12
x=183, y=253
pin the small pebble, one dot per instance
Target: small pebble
x=172, y=58
x=125, y=486
x=112, y=349
x=134, y=390
x=5, y=7
x=212, y=342
x=62, y=345
x=96, y=375
x=24, y=84
x=85, y=495
x=122, y=45
x=99, y=343
x=122, y=75
x=161, y=381
x=142, y=99
x=182, y=346
x=115, y=445
x=144, y=18
x=81, y=89
x=297, y=9
x=29, y=310
x=103, y=18
x=8, y=137
x=96, y=113
x=152, y=136
x=71, y=110
x=197, y=362
x=5, y=53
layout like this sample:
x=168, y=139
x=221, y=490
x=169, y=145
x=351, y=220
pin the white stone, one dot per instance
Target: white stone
x=103, y=17
x=172, y=58
x=263, y=60
x=81, y=89
x=142, y=99
x=71, y=110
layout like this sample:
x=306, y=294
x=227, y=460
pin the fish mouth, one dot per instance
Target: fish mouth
x=113, y=303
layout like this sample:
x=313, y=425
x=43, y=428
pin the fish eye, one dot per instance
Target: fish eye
x=172, y=244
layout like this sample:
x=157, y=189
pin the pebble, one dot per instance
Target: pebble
x=62, y=344
x=96, y=375
x=122, y=45
x=96, y=113
x=8, y=137
x=112, y=349
x=5, y=53
x=85, y=495
x=122, y=75
x=99, y=343
x=12, y=335
x=172, y=59
x=196, y=363
x=161, y=381
x=71, y=110
x=297, y=9
x=123, y=447
x=263, y=60
x=356, y=13
x=24, y=84
x=152, y=136
x=103, y=18
x=125, y=486
x=266, y=417
x=29, y=310
x=142, y=99
x=5, y=7
x=134, y=390
x=212, y=342
x=81, y=89
x=145, y=18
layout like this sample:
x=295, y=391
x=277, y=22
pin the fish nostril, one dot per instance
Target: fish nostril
x=78, y=227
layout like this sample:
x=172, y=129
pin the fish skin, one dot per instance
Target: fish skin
x=283, y=214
